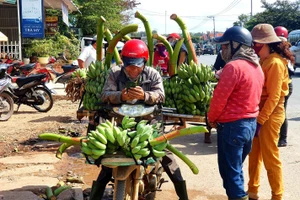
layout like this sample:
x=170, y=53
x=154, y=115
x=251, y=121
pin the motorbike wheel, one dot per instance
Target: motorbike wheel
x=45, y=97
x=120, y=190
x=6, y=101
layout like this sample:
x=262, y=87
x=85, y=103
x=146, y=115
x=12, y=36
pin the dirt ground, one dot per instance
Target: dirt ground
x=19, y=136
x=27, y=124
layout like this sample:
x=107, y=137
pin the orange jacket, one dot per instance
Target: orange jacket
x=275, y=85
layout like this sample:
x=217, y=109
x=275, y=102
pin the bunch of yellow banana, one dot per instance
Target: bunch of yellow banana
x=97, y=75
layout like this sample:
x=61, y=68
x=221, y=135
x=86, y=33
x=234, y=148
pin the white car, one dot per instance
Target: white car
x=296, y=51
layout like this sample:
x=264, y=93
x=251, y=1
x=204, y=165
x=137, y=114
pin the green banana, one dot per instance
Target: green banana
x=135, y=149
x=98, y=152
x=144, y=152
x=86, y=150
x=124, y=121
x=158, y=154
x=99, y=137
x=97, y=144
x=109, y=135
x=161, y=146
x=135, y=141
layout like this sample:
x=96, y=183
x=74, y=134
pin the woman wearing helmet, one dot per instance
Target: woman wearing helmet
x=183, y=53
x=282, y=33
x=274, y=57
x=148, y=88
x=234, y=107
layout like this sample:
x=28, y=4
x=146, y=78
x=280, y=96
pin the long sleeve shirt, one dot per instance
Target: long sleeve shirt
x=238, y=92
x=150, y=80
x=275, y=85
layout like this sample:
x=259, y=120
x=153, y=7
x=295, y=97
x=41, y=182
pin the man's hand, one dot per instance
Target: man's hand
x=136, y=93
x=213, y=124
x=125, y=95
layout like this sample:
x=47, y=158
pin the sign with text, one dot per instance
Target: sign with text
x=32, y=18
x=51, y=24
x=65, y=14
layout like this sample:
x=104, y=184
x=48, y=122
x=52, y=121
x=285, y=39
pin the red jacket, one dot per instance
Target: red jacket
x=161, y=61
x=238, y=92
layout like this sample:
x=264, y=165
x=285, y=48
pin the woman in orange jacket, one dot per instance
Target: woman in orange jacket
x=274, y=57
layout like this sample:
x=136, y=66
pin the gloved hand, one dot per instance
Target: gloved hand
x=136, y=93
x=258, y=126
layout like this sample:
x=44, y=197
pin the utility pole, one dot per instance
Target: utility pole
x=213, y=17
x=251, y=9
x=165, y=22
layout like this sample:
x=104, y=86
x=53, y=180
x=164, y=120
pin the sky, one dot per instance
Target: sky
x=194, y=13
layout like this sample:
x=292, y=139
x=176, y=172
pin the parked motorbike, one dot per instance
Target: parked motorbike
x=32, y=91
x=64, y=76
x=132, y=179
x=6, y=101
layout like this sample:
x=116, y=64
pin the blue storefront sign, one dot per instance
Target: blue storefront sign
x=32, y=18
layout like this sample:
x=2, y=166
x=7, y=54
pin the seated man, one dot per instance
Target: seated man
x=150, y=90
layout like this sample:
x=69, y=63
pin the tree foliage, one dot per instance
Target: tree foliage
x=242, y=20
x=116, y=12
x=280, y=13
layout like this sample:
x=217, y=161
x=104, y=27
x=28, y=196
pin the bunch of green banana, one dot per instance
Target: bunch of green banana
x=128, y=122
x=97, y=75
x=81, y=73
x=192, y=90
x=132, y=138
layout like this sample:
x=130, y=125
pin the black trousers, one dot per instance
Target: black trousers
x=168, y=163
x=284, y=127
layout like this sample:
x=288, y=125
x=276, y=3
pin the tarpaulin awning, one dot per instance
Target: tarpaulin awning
x=3, y=38
x=56, y=4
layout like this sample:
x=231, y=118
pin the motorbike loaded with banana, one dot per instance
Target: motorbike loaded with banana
x=133, y=147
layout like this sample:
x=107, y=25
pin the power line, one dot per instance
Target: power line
x=229, y=7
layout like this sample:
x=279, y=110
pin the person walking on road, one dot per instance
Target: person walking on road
x=282, y=33
x=233, y=111
x=273, y=59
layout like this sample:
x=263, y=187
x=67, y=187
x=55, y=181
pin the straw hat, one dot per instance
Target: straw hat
x=264, y=34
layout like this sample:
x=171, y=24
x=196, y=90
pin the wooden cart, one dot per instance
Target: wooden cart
x=169, y=115
x=181, y=120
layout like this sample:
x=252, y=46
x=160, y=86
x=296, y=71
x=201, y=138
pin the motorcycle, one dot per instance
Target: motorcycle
x=6, y=101
x=64, y=76
x=133, y=179
x=32, y=91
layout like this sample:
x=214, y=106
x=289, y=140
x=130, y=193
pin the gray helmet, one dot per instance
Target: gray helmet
x=236, y=34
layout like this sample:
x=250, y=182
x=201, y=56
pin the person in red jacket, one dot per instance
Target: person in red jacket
x=161, y=57
x=235, y=106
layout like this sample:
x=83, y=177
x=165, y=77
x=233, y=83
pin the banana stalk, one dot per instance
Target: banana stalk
x=62, y=149
x=62, y=138
x=149, y=37
x=50, y=194
x=165, y=42
x=126, y=37
x=188, y=41
x=100, y=33
x=110, y=49
x=185, y=159
x=174, y=58
x=108, y=36
x=178, y=133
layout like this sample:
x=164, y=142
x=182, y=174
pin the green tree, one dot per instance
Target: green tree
x=116, y=12
x=280, y=13
x=242, y=20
